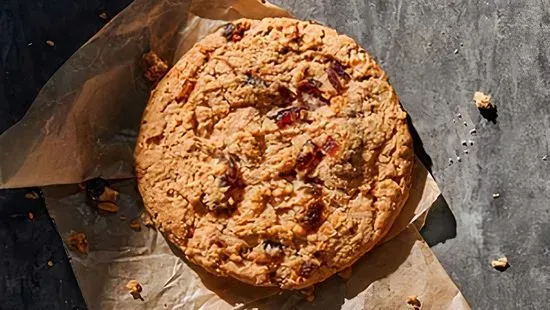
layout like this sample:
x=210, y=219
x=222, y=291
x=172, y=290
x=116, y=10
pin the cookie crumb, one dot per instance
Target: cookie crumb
x=496, y=195
x=473, y=131
x=32, y=195
x=414, y=302
x=103, y=15
x=50, y=43
x=459, y=115
x=450, y=161
x=135, y=289
x=30, y=216
x=134, y=224
x=50, y=263
x=465, y=124
x=156, y=68
x=455, y=51
x=308, y=292
x=345, y=274
x=108, y=206
x=466, y=151
x=78, y=241
x=470, y=142
x=482, y=100
x=122, y=218
x=500, y=264
x=458, y=159
x=545, y=157
x=463, y=142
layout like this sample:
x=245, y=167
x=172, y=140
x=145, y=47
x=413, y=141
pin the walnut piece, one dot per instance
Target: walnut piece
x=134, y=288
x=156, y=68
x=78, y=241
x=482, y=100
x=414, y=302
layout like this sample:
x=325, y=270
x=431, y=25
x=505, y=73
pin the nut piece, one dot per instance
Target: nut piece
x=135, y=289
x=500, y=264
x=134, y=224
x=78, y=242
x=156, y=68
x=414, y=302
x=482, y=101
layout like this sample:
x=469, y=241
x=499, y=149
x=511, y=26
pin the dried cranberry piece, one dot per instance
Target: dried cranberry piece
x=311, y=87
x=288, y=116
x=309, y=157
x=186, y=90
x=339, y=69
x=286, y=95
x=331, y=147
x=334, y=79
x=228, y=30
x=235, y=32
x=314, y=213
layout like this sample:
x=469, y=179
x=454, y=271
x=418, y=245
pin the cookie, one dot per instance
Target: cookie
x=275, y=151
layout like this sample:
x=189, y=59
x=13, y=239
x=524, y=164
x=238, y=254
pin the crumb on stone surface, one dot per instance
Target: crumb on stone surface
x=135, y=289
x=103, y=15
x=50, y=43
x=500, y=264
x=122, y=218
x=32, y=195
x=482, y=100
x=414, y=302
x=156, y=68
x=135, y=225
x=78, y=241
x=496, y=195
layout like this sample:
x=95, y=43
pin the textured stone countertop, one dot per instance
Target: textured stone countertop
x=437, y=54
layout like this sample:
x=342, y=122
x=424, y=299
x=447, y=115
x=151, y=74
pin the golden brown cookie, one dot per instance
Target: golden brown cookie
x=275, y=152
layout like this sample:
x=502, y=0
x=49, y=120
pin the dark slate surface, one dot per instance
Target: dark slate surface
x=437, y=54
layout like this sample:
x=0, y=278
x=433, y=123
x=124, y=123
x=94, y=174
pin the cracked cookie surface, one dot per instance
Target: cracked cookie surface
x=274, y=151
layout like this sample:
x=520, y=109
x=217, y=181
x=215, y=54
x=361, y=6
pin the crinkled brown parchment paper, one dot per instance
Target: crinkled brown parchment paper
x=84, y=123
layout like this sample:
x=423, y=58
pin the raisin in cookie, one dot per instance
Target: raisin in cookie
x=275, y=151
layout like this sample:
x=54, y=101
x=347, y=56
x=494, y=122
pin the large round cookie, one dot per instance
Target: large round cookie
x=275, y=152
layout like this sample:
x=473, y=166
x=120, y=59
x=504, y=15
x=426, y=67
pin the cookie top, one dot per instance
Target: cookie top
x=275, y=151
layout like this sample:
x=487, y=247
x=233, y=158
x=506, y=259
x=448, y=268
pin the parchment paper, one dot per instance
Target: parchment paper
x=84, y=123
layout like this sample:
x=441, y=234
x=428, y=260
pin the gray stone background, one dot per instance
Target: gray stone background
x=437, y=54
